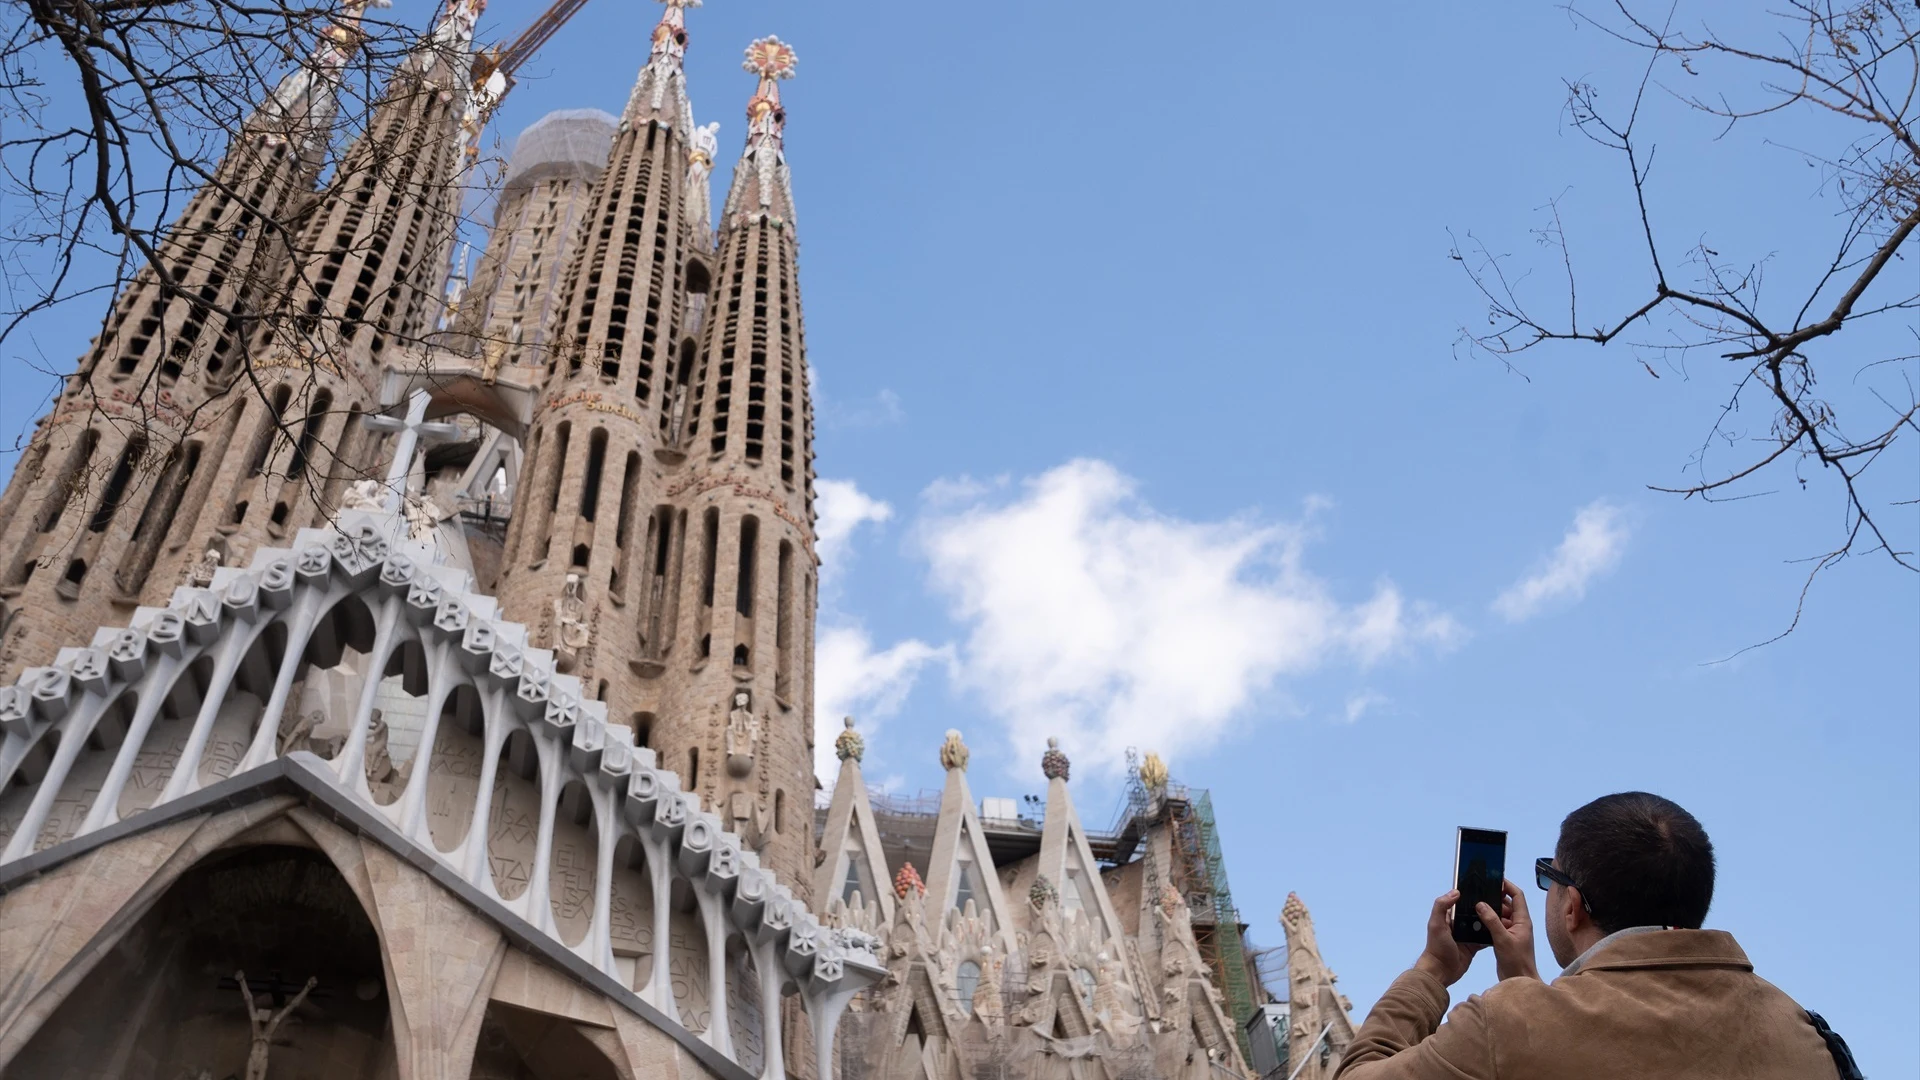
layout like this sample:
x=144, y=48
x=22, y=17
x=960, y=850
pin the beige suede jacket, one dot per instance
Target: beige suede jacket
x=1673, y=1004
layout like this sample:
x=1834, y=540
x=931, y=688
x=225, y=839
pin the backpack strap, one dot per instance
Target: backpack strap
x=1837, y=1046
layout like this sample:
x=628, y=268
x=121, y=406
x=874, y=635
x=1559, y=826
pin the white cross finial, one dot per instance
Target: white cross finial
x=413, y=430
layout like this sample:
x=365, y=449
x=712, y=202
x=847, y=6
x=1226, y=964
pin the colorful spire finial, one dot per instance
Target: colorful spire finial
x=908, y=880
x=850, y=744
x=1054, y=764
x=670, y=36
x=772, y=60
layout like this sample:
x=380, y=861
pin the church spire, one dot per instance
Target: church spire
x=772, y=60
x=761, y=185
x=660, y=93
x=305, y=97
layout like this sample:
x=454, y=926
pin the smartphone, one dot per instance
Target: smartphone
x=1480, y=869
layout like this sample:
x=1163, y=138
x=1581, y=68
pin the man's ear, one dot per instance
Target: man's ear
x=1575, y=916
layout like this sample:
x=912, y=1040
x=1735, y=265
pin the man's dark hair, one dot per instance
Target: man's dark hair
x=1640, y=860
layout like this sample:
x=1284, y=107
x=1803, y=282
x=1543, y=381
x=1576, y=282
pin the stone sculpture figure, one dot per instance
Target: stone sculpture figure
x=743, y=734
x=570, y=616
x=201, y=576
x=265, y=1023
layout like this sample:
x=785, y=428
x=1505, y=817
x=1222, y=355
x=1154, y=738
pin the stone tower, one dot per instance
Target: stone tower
x=548, y=190
x=364, y=280
x=667, y=563
x=739, y=668
x=96, y=517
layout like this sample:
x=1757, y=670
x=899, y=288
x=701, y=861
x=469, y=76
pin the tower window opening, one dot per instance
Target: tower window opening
x=744, y=586
x=693, y=768
x=240, y=511
x=76, y=571
x=309, y=433
x=117, y=485
x=643, y=729
x=710, y=538
x=783, y=618
x=596, y=465
x=741, y=655
x=580, y=555
x=779, y=810
x=70, y=481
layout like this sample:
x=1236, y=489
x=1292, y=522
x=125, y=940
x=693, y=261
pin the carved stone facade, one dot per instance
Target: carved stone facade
x=521, y=720
x=195, y=425
x=1022, y=955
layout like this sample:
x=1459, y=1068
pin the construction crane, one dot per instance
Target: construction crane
x=493, y=69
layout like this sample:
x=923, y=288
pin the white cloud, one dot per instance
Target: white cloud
x=1358, y=705
x=852, y=678
x=1093, y=617
x=1591, y=547
x=842, y=507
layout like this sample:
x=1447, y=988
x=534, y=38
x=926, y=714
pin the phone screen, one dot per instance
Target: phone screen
x=1480, y=868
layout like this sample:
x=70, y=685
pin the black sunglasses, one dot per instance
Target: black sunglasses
x=1546, y=875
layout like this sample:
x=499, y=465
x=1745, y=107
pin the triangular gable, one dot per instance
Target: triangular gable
x=851, y=847
x=1066, y=860
x=960, y=856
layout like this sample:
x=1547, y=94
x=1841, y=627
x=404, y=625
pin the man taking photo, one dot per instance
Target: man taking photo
x=1644, y=991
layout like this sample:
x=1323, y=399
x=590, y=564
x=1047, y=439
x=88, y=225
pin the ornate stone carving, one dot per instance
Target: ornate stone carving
x=908, y=881
x=850, y=744
x=572, y=634
x=201, y=575
x=953, y=752
x=1042, y=893
x=264, y=1024
x=1054, y=764
x=742, y=735
x=1153, y=773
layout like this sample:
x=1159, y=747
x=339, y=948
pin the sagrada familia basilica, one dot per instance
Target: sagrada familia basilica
x=409, y=674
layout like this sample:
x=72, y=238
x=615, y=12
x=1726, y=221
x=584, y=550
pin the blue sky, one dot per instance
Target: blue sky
x=1141, y=424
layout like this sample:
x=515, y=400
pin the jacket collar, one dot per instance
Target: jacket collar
x=1658, y=946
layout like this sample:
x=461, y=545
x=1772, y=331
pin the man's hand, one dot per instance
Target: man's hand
x=1512, y=934
x=1445, y=958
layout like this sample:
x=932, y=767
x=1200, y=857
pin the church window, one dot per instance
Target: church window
x=309, y=433
x=77, y=466
x=744, y=587
x=966, y=979
x=783, y=618
x=581, y=554
x=596, y=465
x=852, y=884
x=117, y=485
x=710, y=537
x=693, y=768
x=779, y=811
x=643, y=729
x=263, y=440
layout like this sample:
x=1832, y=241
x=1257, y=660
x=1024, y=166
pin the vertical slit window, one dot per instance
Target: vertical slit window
x=783, y=617
x=72, y=481
x=117, y=484
x=309, y=433
x=596, y=465
x=710, y=539
x=743, y=587
x=263, y=442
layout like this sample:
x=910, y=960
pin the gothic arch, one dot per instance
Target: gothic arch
x=278, y=912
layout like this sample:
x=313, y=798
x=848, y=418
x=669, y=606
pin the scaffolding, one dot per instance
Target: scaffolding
x=1200, y=874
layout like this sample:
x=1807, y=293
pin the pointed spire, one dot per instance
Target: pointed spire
x=663, y=72
x=306, y=94
x=853, y=859
x=670, y=35
x=772, y=60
